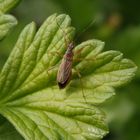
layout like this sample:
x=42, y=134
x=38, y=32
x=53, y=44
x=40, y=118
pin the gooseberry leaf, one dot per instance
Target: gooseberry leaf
x=7, y=131
x=128, y=42
x=7, y=21
x=30, y=98
x=7, y=5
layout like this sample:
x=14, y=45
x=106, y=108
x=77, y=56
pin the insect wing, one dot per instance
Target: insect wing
x=64, y=71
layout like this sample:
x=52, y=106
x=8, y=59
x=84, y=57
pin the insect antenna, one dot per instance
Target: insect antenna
x=67, y=40
x=85, y=29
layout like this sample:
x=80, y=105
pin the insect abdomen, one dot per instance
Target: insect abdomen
x=64, y=72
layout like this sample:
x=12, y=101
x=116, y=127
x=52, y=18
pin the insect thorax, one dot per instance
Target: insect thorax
x=68, y=56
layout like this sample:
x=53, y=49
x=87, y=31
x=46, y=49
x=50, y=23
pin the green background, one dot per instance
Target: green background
x=117, y=23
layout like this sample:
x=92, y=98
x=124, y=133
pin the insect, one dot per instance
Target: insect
x=65, y=69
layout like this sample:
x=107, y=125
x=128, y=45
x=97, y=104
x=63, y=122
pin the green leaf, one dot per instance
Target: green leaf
x=7, y=5
x=7, y=131
x=30, y=98
x=128, y=42
x=6, y=23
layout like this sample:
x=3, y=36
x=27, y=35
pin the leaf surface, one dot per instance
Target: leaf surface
x=6, y=23
x=6, y=5
x=7, y=131
x=30, y=98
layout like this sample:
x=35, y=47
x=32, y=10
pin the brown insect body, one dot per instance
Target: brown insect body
x=65, y=68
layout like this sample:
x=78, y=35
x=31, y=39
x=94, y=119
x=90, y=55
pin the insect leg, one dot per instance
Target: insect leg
x=80, y=77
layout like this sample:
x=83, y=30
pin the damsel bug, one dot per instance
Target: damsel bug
x=65, y=68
